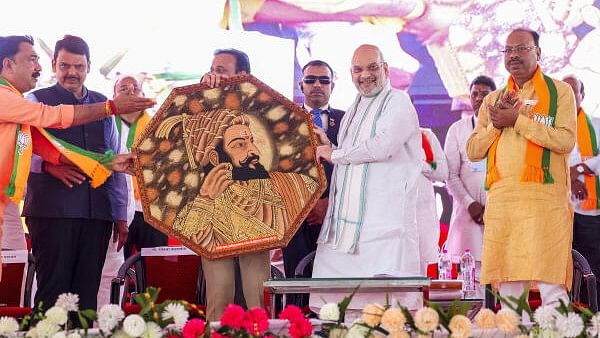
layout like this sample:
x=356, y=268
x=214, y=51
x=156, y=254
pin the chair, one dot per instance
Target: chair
x=299, y=272
x=583, y=272
x=17, y=279
x=175, y=270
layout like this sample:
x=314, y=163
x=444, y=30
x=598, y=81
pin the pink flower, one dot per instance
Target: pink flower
x=300, y=328
x=291, y=313
x=256, y=321
x=233, y=316
x=194, y=328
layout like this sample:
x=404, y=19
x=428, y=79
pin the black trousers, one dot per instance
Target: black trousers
x=142, y=235
x=586, y=240
x=69, y=255
x=303, y=243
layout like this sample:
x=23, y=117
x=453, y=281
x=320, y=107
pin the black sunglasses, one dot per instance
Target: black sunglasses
x=310, y=79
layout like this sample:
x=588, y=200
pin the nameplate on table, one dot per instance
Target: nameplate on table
x=167, y=251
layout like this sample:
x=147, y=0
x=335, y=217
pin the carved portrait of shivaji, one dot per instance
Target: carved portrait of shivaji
x=252, y=190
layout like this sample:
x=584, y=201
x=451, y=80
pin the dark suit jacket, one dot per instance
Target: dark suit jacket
x=333, y=126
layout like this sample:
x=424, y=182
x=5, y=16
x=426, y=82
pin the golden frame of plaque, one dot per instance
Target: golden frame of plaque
x=228, y=170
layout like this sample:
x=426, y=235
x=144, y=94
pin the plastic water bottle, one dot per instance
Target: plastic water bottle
x=467, y=272
x=445, y=265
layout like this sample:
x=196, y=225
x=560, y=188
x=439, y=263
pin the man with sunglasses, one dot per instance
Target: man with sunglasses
x=316, y=84
x=526, y=131
x=376, y=164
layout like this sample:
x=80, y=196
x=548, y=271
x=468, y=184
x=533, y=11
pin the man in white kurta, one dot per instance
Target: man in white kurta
x=370, y=227
x=465, y=180
x=434, y=168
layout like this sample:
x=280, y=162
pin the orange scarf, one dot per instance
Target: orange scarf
x=135, y=130
x=96, y=166
x=588, y=147
x=537, y=158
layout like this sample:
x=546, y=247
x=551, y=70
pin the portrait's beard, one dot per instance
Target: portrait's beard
x=244, y=172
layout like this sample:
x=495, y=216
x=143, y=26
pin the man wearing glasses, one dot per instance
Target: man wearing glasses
x=316, y=84
x=526, y=131
x=376, y=165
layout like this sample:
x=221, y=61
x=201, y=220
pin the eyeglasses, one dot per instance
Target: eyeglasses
x=373, y=67
x=518, y=49
x=310, y=79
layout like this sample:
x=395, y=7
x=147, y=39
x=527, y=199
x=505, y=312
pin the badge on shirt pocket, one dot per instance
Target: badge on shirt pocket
x=478, y=166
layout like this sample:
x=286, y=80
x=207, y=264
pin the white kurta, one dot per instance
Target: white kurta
x=593, y=163
x=465, y=184
x=427, y=218
x=388, y=242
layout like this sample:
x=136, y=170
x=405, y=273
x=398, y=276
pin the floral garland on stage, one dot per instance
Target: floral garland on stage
x=171, y=319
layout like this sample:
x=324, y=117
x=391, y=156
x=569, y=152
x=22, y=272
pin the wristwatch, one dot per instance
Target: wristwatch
x=580, y=169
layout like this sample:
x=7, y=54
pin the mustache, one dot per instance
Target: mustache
x=316, y=91
x=35, y=75
x=72, y=78
x=246, y=162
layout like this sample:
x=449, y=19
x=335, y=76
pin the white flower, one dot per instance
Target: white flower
x=68, y=301
x=545, y=334
x=545, y=316
x=594, y=328
x=32, y=333
x=570, y=325
x=426, y=319
x=73, y=335
x=134, y=325
x=57, y=315
x=330, y=311
x=59, y=334
x=46, y=328
x=109, y=317
x=152, y=331
x=8, y=326
x=358, y=330
x=176, y=311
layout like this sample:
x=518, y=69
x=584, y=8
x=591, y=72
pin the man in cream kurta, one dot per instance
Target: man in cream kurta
x=434, y=168
x=528, y=218
x=465, y=181
x=370, y=226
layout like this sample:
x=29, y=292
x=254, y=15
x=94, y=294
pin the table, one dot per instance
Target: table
x=328, y=285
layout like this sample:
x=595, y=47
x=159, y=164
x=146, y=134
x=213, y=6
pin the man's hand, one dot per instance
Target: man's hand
x=323, y=139
x=213, y=79
x=217, y=180
x=123, y=163
x=317, y=214
x=579, y=190
x=503, y=117
x=68, y=174
x=120, y=232
x=476, y=211
x=324, y=152
x=127, y=103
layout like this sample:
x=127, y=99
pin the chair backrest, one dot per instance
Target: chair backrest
x=173, y=269
x=12, y=284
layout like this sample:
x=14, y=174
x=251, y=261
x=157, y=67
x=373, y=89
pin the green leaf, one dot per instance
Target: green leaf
x=89, y=314
x=444, y=317
x=82, y=321
x=343, y=305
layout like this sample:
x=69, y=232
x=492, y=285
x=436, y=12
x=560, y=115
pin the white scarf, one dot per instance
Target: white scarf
x=347, y=210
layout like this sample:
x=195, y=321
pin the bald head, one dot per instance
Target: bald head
x=577, y=87
x=369, y=70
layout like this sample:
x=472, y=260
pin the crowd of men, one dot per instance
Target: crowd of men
x=522, y=171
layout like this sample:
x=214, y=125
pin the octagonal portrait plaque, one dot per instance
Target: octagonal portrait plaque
x=228, y=170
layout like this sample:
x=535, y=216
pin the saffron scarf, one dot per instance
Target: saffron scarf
x=588, y=147
x=96, y=166
x=135, y=130
x=537, y=158
x=428, y=151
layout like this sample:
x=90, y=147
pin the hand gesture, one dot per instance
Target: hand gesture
x=476, y=211
x=324, y=152
x=68, y=174
x=217, y=180
x=322, y=136
x=126, y=103
x=213, y=79
x=123, y=163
